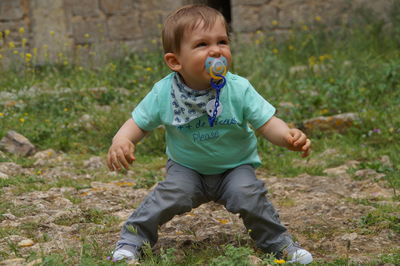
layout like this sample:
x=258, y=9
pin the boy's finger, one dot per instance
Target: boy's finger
x=306, y=148
x=301, y=139
x=110, y=160
x=122, y=159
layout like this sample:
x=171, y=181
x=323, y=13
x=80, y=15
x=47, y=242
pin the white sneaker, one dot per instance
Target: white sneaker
x=296, y=254
x=126, y=252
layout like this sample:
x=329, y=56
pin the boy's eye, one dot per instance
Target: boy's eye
x=223, y=42
x=201, y=44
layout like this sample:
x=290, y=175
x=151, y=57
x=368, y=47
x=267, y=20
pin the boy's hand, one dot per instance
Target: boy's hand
x=120, y=154
x=297, y=141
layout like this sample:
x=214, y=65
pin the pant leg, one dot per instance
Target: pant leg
x=241, y=192
x=181, y=191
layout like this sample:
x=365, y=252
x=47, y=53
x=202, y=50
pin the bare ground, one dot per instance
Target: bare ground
x=324, y=213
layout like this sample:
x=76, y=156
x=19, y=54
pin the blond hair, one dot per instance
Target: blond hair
x=188, y=18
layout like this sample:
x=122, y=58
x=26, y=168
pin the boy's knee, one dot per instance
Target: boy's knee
x=244, y=197
x=175, y=196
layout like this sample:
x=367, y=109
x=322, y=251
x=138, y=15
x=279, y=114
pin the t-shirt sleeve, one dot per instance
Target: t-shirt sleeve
x=257, y=110
x=147, y=113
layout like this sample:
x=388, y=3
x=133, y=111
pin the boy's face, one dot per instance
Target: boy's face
x=196, y=46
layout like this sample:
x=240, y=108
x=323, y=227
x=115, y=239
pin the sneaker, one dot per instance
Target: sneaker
x=126, y=252
x=295, y=254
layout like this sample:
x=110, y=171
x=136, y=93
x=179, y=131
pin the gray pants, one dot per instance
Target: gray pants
x=183, y=189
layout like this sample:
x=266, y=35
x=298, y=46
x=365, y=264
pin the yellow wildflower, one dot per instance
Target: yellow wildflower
x=7, y=32
x=324, y=111
x=52, y=33
x=275, y=51
x=28, y=57
x=35, y=51
x=274, y=23
x=87, y=35
x=24, y=41
x=15, y=52
x=223, y=221
x=1, y=114
x=11, y=45
x=279, y=261
x=318, y=18
x=65, y=109
x=291, y=47
x=22, y=120
x=21, y=30
x=312, y=61
x=257, y=42
x=149, y=69
x=39, y=172
x=305, y=27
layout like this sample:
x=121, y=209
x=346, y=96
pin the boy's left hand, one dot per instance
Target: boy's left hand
x=297, y=141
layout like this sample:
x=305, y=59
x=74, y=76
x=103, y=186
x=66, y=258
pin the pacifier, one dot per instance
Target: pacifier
x=217, y=68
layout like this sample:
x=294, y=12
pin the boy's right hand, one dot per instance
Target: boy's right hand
x=120, y=154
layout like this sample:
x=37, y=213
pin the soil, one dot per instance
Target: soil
x=323, y=213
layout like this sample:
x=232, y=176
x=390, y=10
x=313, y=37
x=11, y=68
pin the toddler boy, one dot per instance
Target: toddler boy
x=212, y=151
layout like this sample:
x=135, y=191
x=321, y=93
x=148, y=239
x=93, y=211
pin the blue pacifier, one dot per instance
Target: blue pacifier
x=217, y=68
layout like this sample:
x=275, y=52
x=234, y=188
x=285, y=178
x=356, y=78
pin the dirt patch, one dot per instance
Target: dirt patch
x=326, y=214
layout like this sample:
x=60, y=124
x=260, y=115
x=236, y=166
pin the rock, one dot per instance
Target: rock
x=385, y=160
x=13, y=262
x=297, y=69
x=338, y=122
x=349, y=237
x=35, y=262
x=337, y=171
x=368, y=173
x=10, y=169
x=93, y=163
x=3, y=176
x=26, y=243
x=253, y=260
x=9, y=216
x=46, y=154
x=15, y=143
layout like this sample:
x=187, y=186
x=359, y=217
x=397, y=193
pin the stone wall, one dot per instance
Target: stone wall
x=55, y=30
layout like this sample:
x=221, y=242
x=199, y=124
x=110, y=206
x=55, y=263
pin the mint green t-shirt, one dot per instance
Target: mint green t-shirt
x=196, y=145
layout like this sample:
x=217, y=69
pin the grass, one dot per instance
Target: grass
x=77, y=109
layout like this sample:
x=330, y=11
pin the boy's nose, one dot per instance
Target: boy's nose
x=215, y=51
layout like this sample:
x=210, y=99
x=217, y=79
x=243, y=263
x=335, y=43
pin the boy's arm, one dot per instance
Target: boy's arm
x=278, y=133
x=122, y=148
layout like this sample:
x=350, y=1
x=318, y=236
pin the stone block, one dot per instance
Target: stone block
x=268, y=14
x=150, y=20
x=246, y=19
x=85, y=8
x=49, y=28
x=116, y=7
x=125, y=27
x=11, y=10
x=89, y=31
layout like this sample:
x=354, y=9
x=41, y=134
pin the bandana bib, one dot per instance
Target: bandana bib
x=189, y=104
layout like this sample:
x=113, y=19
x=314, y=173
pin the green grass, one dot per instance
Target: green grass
x=78, y=110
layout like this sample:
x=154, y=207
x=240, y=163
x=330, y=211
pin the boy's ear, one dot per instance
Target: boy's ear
x=172, y=61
